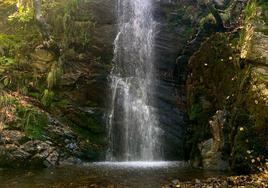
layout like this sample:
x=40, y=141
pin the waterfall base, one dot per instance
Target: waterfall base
x=143, y=164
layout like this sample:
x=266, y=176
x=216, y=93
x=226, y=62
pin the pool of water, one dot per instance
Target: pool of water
x=103, y=174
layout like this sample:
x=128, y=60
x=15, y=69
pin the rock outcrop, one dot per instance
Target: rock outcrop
x=231, y=77
x=212, y=157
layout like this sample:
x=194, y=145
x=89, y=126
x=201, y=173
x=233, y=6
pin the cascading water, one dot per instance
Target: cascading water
x=133, y=129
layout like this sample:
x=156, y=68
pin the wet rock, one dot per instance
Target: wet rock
x=42, y=152
x=17, y=150
x=52, y=159
x=70, y=161
x=12, y=155
x=103, y=13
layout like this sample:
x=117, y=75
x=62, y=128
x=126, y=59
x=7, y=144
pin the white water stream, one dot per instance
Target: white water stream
x=132, y=122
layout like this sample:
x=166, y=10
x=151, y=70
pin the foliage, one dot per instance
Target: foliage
x=32, y=120
x=196, y=111
x=11, y=42
x=6, y=109
x=54, y=76
x=6, y=61
x=22, y=15
x=69, y=31
x=16, y=113
x=250, y=10
x=47, y=98
x=208, y=19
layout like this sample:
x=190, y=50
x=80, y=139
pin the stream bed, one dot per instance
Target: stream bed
x=103, y=174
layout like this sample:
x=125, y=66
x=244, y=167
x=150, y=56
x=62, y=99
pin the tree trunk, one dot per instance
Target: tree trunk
x=217, y=17
x=37, y=4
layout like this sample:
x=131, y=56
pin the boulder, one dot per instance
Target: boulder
x=255, y=48
x=212, y=160
x=42, y=55
x=211, y=149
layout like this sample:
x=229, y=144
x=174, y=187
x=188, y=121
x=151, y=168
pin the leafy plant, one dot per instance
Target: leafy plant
x=54, y=76
x=47, y=98
x=22, y=15
x=6, y=61
x=32, y=121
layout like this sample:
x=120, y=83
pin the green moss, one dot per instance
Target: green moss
x=207, y=19
x=248, y=144
x=196, y=111
x=250, y=9
x=33, y=121
x=62, y=103
x=87, y=121
x=24, y=116
x=22, y=15
x=47, y=98
x=71, y=32
x=54, y=76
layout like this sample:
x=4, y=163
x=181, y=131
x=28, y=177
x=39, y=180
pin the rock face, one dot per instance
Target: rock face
x=169, y=93
x=232, y=77
x=104, y=15
x=87, y=65
x=255, y=44
x=18, y=150
x=212, y=157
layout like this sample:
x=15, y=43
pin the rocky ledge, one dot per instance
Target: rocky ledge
x=43, y=141
x=58, y=145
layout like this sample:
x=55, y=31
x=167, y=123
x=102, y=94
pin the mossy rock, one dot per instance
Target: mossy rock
x=43, y=55
x=88, y=121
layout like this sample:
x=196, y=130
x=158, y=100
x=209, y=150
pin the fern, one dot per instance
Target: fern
x=54, y=76
x=47, y=98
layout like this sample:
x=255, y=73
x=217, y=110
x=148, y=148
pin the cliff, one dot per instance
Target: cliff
x=227, y=95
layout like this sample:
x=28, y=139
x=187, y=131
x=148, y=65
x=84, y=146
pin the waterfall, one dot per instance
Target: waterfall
x=132, y=122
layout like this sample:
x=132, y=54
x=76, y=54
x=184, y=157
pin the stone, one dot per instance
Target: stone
x=197, y=181
x=256, y=44
x=20, y=154
x=211, y=149
x=12, y=136
x=219, y=2
x=175, y=182
x=42, y=55
x=70, y=160
x=52, y=158
x=259, y=48
x=41, y=66
x=71, y=146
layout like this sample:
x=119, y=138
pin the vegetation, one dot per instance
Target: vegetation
x=36, y=38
